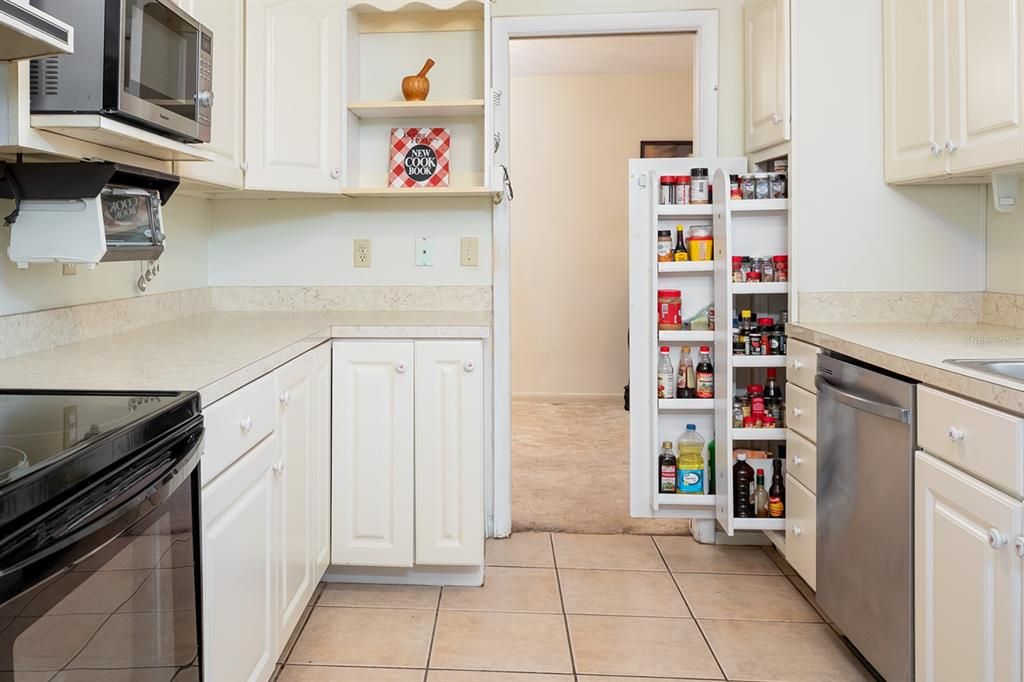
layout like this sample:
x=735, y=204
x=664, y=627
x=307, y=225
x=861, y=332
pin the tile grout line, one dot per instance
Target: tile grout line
x=682, y=596
x=561, y=601
x=433, y=632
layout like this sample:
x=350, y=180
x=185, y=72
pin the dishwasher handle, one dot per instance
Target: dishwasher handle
x=857, y=402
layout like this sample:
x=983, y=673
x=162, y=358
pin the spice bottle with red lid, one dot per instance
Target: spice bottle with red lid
x=668, y=188
x=682, y=189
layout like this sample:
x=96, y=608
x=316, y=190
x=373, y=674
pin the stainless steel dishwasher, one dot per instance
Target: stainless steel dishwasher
x=865, y=505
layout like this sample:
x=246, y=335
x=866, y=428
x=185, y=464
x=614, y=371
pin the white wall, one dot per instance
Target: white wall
x=853, y=232
x=572, y=136
x=1005, y=249
x=730, y=47
x=183, y=265
x=308, y=242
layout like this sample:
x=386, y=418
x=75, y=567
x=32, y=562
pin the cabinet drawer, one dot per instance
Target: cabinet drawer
x=978, y=439
x=802, y=460
x=801, y=533
x=802, y=364
x=802, y=412
x=237, y=422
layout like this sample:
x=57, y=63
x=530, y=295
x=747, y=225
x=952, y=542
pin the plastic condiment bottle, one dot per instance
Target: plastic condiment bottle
x=704, y=384
x=666, y=375
x=690, y=462
x=742, y=482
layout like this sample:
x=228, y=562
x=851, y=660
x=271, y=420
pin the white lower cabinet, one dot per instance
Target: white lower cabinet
x=801, y=530
x=265, y=520
x=407, y=453
x=968, y=577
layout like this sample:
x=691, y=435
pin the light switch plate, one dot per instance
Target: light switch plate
x=424, y=251
x=361, y=253
x=469, y=252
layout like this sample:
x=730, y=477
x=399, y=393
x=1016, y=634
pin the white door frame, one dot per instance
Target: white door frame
x=702, y=22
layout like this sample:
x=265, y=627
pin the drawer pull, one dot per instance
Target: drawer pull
x=797, y=364
x=955, y=434
x=996, y=539
x=246, y=424
x=286, y=398
x=797, y=412
x=797, y=461
x=400, y=367
x=797, y=530
x=469, y=365
x=279, y=468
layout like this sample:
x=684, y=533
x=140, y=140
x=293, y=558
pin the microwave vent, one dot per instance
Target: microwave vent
x=44, y=76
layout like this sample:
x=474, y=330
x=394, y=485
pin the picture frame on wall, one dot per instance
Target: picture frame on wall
x=665, y=149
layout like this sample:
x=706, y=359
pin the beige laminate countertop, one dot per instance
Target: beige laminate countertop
x=216, y=353
x=918, y=351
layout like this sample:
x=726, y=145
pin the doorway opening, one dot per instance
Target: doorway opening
x=581, y=106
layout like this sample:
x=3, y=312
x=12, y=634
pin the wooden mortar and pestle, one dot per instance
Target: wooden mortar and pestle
x=416, y=88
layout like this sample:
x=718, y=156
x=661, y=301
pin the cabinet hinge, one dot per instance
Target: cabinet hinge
x=497, y=141
x=496, y=97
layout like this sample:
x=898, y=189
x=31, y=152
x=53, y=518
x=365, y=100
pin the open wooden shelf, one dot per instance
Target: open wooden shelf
x=418, y=192
x=759, y=205
x=686, y=404
x=468, y=107
x=759, y=361
x=759, y=434
x=760, y=288
x=685, y=210
x=681, y=500
x=686, y=267
x=759, y=524
x=686, y=337
x=374, y=6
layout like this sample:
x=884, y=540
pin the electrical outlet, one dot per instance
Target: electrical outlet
x=470, y=252
x=361, y=253
x=424, y=251
x=68, y=269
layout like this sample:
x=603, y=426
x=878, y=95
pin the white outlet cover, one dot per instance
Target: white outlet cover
x=424, y=251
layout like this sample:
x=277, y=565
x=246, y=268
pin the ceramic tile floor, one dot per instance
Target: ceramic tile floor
x=587, y=608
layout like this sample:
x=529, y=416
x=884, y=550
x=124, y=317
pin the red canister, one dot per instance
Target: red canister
x=670, y=309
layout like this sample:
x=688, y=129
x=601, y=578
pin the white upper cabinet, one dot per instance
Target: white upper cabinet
x=954, y=87
x=766, y=48
x=226, y=18
x=986, y=81
x=372, y=454
x=293, y=95
x=449, y=453
x=915, y=89
x=968, y=579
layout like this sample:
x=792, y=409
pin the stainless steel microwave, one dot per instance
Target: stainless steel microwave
x=144, y=61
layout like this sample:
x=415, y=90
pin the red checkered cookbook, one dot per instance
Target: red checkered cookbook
x=419, y=157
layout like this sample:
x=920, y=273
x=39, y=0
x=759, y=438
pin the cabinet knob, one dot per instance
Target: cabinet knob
x=797, y=461
x=951, y=146
x=797, y=530
x=1018, y=546
x=797, y=412
x=285, y=398
x=797, y=364
x=996, y=538
x=955, y=434
x=936, y=148
x=469, y=365
x=279, y=467
x=246, y=424
x=400, y=367
x=335, y=173
x=776, y=119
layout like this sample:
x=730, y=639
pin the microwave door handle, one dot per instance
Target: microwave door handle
x=879, y=409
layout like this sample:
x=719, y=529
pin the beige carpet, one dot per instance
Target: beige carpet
x=570, y=470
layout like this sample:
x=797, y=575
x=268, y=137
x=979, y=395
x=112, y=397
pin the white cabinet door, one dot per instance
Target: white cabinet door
x=914, y=73
x=766, y=43
x=294, y=472
x=449, y=452
x=372, y=454
x=986, y=83
x=967, y=578
x=293, y=95
x=226, y=18
x=238, y=555
x=321, y=480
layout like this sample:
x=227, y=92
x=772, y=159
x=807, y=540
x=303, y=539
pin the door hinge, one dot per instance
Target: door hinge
x=497, y=141
x=496, y=97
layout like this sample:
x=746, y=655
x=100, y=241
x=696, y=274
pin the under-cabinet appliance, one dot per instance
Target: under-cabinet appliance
x=146, y=61
x=99, y=535
x=26, y=32
x=865, y=504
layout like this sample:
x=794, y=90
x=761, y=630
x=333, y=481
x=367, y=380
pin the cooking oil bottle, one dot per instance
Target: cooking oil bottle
x=690, y=462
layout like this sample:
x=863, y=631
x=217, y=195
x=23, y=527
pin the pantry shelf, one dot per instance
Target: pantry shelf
x=759, y=205
x=418, y=192
x=759, y=524
x=686, y=267
x=760, y=288
x=685, y=404
x=759, y=361
x=685, y=210
x=759, y=434
x=686, y=337
x=367, y=110
x=680, y=500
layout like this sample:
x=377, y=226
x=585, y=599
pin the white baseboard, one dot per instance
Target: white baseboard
x=568, y=397
x=472, y=576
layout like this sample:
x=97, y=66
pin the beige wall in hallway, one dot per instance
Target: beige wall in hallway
x=571, y=138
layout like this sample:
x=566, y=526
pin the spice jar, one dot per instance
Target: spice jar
x=670, y=309
x=698, y=185
x=767, y=270
x=754, y=274
x=737, y=268
x=734, y=187
x=762, y=188
x=777, y=189
x=747, y=186
x=781, y=264
x=755, y=343
x=700, y=243
x=745, y=268
x=664, y=246
x=767, y=326
x=737, y=412
x=682, y=189
x=668, y=184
